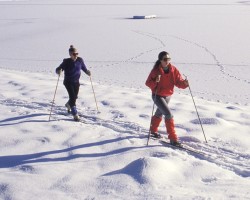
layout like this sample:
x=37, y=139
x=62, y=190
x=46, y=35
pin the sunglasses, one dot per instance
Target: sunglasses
x=166, y=59
x=74, y=54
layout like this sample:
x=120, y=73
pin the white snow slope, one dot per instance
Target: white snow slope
x=105, y=155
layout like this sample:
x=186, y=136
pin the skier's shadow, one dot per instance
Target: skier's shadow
x=22, y=119
x=16, y=160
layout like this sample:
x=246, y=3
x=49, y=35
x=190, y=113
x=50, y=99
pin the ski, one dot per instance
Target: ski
x=182, y=147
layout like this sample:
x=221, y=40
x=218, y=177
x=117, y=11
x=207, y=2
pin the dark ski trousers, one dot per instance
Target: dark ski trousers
x=73, y=89
x=162, y=106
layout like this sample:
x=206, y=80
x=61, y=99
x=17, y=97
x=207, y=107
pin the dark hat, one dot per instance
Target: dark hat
x=163, y=54
x=72, y=49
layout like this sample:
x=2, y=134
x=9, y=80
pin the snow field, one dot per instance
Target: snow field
x=107, y=155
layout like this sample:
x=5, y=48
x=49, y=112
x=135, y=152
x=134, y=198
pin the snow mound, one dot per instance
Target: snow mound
x=157, y=172
x=149, y=170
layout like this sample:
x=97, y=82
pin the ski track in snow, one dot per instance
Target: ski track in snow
x=133, y=58
x=217, y=62
x=214, y=57
x=222, y=68
x=217, y=151
x=208, y=95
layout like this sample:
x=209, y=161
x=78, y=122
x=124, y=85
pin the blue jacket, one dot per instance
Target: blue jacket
x=72, y=69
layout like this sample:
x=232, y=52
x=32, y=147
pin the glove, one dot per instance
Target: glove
x=59, y=71
x=88, y=73
x=186, y=83
x=158, y=78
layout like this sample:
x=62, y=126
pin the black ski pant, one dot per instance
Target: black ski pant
x=162, y=106
x=73, y=89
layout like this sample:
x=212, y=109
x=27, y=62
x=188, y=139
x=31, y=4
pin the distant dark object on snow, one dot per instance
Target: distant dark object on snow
x=144, y=16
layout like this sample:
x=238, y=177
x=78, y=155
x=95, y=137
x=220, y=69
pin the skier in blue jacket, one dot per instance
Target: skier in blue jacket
x=72, y=71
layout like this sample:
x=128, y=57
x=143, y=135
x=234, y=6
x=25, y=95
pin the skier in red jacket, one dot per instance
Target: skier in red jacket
x=161, y=80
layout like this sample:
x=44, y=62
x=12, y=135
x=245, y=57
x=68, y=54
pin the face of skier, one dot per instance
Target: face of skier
x=165, y=61
x=73, y=55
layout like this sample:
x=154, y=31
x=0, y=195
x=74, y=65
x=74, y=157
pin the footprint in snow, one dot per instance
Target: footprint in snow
x=105, y=103
x=43, y=140
x=131, y=106
x=13, y=83
x=209, y=179
x=25, y=131
x=207, y=121
x=159, y=154
x=144, y=116
x=57, y=128
x=232, y=108
x=117, y=114
x=27, y=169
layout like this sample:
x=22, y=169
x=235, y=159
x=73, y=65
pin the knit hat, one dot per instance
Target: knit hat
x=72, y=49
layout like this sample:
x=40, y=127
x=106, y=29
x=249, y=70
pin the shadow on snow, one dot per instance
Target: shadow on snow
x=15, y=160
x=12, y=121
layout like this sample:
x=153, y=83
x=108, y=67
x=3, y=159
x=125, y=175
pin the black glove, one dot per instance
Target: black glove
x=88, y=73
x=59, y=71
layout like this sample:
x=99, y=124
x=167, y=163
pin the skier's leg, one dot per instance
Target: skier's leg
x=155, y=121
x=171, y=130
x=72, y=99
x=162, y=107
x=76, y=89
x=162, y=104
x=71, y=92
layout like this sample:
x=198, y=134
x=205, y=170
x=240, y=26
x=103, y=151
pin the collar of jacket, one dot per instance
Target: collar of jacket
x=161, y=71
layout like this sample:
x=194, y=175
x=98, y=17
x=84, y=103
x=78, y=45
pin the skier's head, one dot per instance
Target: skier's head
x=73, y=52
x=163, y=55
x=163, y=59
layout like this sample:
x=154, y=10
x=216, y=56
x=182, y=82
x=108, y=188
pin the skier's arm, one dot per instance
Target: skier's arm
x=179, y=81
x=61, y=67
x=151, y=80
x=84, y=68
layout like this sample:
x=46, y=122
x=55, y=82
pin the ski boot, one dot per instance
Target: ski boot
x=76, y=118
x=74, y=113
x=68, y=107
x=155, y=122
x=156, y=135
x=175, y=143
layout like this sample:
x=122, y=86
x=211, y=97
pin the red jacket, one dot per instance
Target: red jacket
x=167, y=81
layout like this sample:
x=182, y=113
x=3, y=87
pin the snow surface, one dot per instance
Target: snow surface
x=106, y=155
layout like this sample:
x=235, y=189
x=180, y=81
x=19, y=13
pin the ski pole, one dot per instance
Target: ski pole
x=149, y=131
x=53, y=101
x=93, y=93
x=196, y=111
